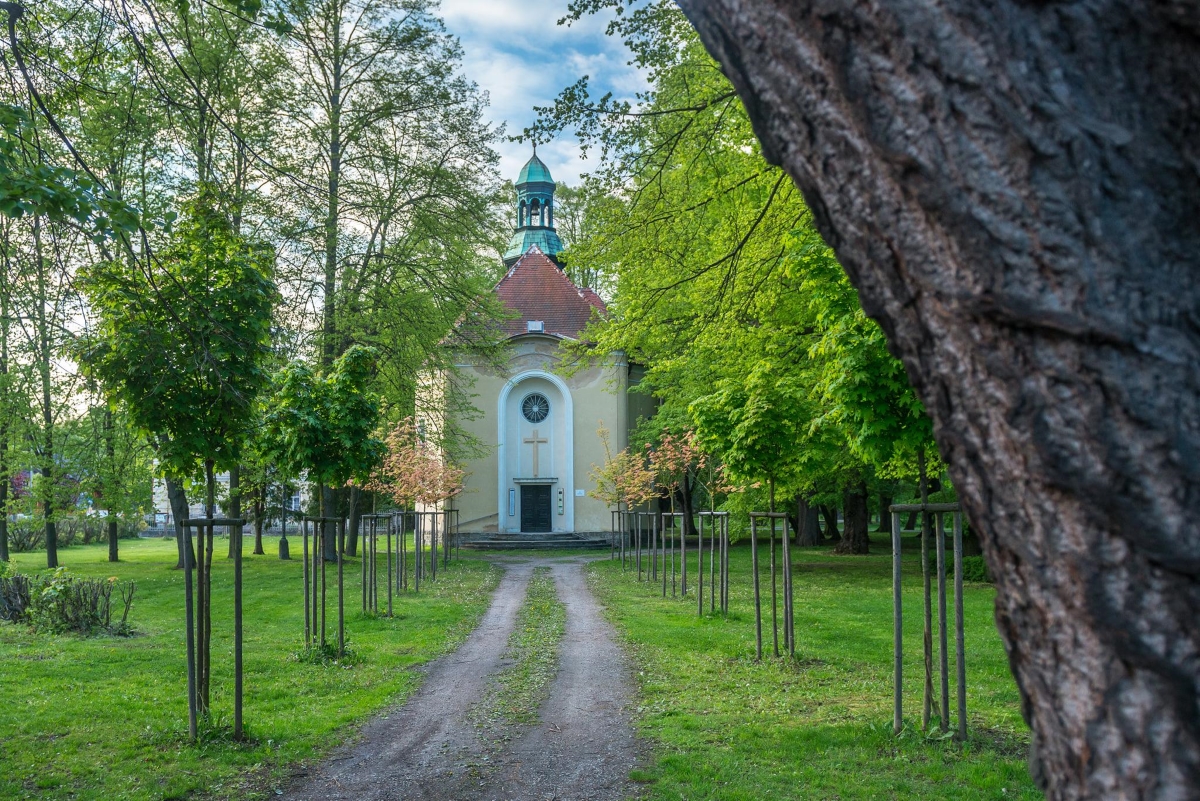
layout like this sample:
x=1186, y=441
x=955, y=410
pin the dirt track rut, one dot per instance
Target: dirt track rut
x=581, y=749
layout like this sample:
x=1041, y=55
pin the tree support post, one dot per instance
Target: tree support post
x=655, y=546
x=774, y=591
x=307, y=602
x=189, y=630
x=390, y=521
x=238, y=683
x=712, y=562
x=434, y=541
x=662, y=545
x=403, y=577
x=320, y=561
x=927, y=630
x=943, y=655
x=418, y=532
x=897, y=630
x=700, y=568
x=197, y=669
x=366, y=549
x=789, y=608
x=960, y=663
x=638, y=557
x=341, y=534
x=926, y=510
x=682, y=555
x=757, y=593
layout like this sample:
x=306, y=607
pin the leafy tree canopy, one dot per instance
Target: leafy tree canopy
x=183, y=345
x=323, y=424
x=722, y=286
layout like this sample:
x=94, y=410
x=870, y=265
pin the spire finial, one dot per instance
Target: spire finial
x=535, y=147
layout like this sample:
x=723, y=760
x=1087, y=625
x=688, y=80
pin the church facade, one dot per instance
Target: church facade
x=541, y=429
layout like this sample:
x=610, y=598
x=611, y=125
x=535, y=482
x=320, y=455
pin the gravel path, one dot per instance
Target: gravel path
x=581, y=749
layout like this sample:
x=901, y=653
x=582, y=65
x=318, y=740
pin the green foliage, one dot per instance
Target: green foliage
x=58, y=602
x=58, y=193
x=183, y=345
x=754, y=424
x=723, y=287
x=974, y=568
x=324, y=424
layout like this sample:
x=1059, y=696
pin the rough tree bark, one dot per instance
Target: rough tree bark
x=885, y=517
x=806, y=524
x=684, y=502
x=830, y=513
x=856, y=526
x=177, y=497
x=329, y=508
x=110, y=455
x=1012, y=187
x=260, y=513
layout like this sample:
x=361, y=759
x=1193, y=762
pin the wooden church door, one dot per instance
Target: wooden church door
x=535, y=507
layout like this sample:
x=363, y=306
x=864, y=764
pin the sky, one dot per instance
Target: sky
x=522, y=58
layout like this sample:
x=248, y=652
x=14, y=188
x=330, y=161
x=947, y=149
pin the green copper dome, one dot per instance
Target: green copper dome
x=545, y=238
x=535, y=213
x=534, y=171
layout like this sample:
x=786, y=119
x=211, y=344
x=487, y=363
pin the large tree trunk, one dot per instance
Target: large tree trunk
x=113, y=532
x=885, y=517
x=260, y=512
x=685, y=504
x=233, y=508
x=5, y=414
x=1012, y=186
x=329, y=536
x=110, y=453
x=856, y=526
x=807, y=524
x=4, y=482
x=179, y=512
x=830, y=513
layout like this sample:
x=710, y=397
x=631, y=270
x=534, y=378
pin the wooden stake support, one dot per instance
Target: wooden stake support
x=787, y=623
x=939, y=510
x=235, y=526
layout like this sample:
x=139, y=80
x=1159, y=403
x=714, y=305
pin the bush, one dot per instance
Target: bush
x=25, y=535
x=28, y=534
x=60, y=602
x=974, y=567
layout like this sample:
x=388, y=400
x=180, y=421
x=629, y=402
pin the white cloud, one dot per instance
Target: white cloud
x=518, y=53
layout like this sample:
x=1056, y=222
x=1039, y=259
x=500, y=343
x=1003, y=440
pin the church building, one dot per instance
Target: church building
x=540, y=428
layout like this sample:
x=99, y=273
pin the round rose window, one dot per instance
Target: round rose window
x=535, y=407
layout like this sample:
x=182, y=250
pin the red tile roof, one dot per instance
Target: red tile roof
x=535, y=289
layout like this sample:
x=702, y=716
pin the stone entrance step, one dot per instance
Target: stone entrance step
x=499, y=542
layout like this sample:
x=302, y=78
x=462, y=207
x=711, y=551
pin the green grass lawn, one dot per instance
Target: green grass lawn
x=106, y=717
x=722, y=726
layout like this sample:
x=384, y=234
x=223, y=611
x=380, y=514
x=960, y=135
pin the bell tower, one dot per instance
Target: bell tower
x=535, y=213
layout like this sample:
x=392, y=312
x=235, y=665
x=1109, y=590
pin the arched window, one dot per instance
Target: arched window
x=521, y=215
x=535, y=211
x=550, y=213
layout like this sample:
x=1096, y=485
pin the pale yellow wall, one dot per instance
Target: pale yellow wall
x=597, y=393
